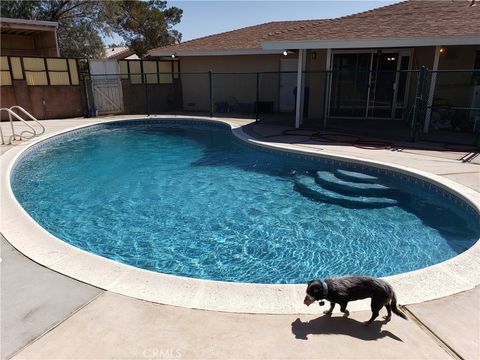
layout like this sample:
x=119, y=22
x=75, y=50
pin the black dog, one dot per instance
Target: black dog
x=341, y=290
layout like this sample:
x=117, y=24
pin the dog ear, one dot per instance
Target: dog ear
x=311, y=281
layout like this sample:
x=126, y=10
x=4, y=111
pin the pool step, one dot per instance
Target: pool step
x=307, y=186
x=355, y=176
x=332, y=182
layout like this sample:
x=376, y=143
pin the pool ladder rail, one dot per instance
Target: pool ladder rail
x=30, y=133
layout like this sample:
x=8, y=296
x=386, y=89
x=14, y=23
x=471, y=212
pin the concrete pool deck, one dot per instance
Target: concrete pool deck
x=110, y=326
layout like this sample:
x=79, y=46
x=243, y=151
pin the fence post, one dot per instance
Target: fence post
x=418, y=103
x=211, y=92
x=326, y=89
x=87, y=85
x=256, y=101
x=83, y=81
x=144, y=79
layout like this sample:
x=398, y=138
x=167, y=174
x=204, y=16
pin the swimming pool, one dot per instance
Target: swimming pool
x=189, y=199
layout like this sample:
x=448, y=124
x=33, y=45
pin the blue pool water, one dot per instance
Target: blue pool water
x=195, y=201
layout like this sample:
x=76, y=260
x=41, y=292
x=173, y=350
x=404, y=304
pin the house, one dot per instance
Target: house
x=28, y=38
x=120, y=53
x=357, y=69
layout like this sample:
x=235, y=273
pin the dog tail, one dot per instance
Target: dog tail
x=395, y=309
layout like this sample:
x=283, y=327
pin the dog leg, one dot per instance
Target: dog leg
x=374, y=316
x=389, y=312
x=343, y=309
x=329, y=311
x=375, y=306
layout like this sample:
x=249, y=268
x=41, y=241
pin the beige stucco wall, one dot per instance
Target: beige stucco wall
x=423, y=56
x=456, y=58
x=452, y=88
x=315, y=82
x=239, y=88
x=238, y=63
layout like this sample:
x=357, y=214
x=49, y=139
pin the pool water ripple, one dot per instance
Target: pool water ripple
x=197, y=202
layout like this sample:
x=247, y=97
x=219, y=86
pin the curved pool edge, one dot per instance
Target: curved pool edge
x=449, y=277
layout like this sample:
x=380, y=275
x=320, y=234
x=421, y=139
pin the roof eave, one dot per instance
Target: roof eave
x=226, y=52
x=371, y=43
x=23, y=22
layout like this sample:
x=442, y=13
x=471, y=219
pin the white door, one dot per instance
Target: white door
x=106, y=86
x=288, y=83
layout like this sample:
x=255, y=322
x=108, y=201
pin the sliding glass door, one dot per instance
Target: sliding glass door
x=369, y=84
x=349, y=91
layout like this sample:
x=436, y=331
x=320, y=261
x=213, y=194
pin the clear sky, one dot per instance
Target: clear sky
x=201, y=18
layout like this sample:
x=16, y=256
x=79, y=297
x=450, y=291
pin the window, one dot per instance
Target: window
x=45, y=71
x=58, y=72
x=135, y=69
x=16, y=64
x=35, y=71
x=175, y=69
x=5, y=76
x=72, y=66
x=151, y=71
x=123, y=69
x=165, y=70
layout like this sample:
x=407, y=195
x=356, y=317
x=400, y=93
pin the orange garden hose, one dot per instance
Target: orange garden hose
x=360, y=143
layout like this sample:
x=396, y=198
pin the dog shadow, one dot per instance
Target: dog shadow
x=340, y=325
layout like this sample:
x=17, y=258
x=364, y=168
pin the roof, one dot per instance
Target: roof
x=408, y=19
x=120, y=52
x=247, y=39
x=25, y=27
x=408, y=23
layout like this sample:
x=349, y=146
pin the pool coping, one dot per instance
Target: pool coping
x=449, y=277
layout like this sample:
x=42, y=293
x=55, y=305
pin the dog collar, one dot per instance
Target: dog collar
x=325, y=289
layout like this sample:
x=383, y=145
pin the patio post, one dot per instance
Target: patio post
x=431, y=93
x=300, y=88
x=327, y=87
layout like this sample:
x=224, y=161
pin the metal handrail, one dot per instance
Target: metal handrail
x=1, y=135
x=33, y=133
x=30, y=116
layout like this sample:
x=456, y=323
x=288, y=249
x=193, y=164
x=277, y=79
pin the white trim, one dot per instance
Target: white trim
x=395, y=86
x=371, y=43
x=277, y=46
x=161, y=52
x=452, y=276
x=431, y=93
x=401, y=53
x=29, y=22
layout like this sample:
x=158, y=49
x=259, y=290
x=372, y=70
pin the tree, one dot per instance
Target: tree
x=17, y=9
x=80, y=40
x=115, y=45
x=144, y=25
